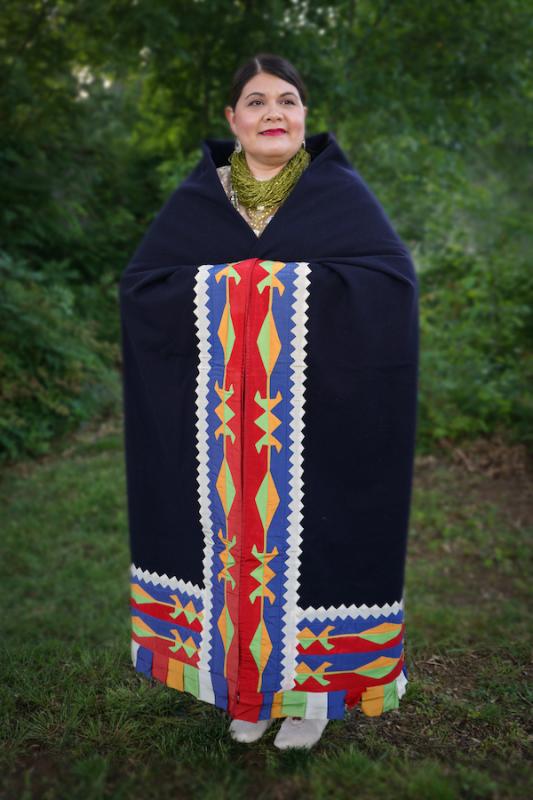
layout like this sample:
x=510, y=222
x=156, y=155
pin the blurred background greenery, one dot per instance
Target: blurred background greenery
x=104, y=106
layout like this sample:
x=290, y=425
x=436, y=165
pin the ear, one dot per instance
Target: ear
x=305, y=111
x=230, y=113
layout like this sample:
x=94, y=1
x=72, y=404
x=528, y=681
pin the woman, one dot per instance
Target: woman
x=270, y=349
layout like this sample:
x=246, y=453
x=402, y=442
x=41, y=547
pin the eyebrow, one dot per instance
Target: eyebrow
x=263, y=94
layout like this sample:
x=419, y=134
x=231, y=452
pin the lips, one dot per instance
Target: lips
x=273, y=132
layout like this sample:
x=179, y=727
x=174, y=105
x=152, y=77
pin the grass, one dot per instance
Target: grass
x=78, y=722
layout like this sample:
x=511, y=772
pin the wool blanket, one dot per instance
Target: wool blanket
x=270, y=403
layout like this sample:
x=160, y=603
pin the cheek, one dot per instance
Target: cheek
x=247, y=123
x=297, y=120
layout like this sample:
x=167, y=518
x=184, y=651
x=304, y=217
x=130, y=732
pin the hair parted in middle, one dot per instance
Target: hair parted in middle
x=265, y=62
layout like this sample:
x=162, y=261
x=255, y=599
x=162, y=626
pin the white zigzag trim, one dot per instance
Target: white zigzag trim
x=164, y=580
x=289, y=641
x=401, y=684
x=202, y=389
x=353, y=611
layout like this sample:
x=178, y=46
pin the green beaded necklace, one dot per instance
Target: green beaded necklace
x=252, y=192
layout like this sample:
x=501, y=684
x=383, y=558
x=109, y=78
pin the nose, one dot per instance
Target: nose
x=272, y=112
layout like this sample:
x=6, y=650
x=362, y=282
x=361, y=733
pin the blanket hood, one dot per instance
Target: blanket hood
x=330, y=213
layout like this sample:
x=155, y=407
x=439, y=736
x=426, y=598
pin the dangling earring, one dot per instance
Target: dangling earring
x=238, y=146
x=303, y=144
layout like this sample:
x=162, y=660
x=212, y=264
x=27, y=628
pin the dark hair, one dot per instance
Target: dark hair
x=265, y=62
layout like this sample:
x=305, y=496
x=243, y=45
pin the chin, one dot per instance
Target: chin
x=279, y=153
x=277, y=144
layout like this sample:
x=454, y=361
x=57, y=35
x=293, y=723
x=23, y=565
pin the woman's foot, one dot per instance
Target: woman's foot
x=298, y=732
x=243, y=731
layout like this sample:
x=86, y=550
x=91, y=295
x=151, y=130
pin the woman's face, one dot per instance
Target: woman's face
x=268, y=103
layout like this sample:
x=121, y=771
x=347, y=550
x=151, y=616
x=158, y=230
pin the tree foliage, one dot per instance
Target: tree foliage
x=104, y=106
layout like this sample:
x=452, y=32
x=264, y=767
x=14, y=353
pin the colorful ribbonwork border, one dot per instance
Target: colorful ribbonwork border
x=240, y=641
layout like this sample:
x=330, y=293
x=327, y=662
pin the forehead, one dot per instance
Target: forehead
x=269, y=85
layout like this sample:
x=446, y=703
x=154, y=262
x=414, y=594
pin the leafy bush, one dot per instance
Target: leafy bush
x=476, y=325
x=54, y=370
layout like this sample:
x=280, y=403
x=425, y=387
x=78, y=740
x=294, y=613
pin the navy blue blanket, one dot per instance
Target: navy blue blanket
x=270, y=400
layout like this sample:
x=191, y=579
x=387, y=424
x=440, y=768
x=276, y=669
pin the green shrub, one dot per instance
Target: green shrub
x=55, y=372
x=476, y=320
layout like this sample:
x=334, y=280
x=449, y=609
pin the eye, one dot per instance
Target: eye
x=286, y=100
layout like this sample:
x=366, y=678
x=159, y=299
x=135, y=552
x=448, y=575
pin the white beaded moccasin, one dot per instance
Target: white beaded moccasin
x=299, y=732
x=243, y=731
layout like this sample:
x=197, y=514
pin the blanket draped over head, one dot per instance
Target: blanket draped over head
x=270, y=402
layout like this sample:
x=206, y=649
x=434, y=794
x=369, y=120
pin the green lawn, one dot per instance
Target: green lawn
x=78, y=722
